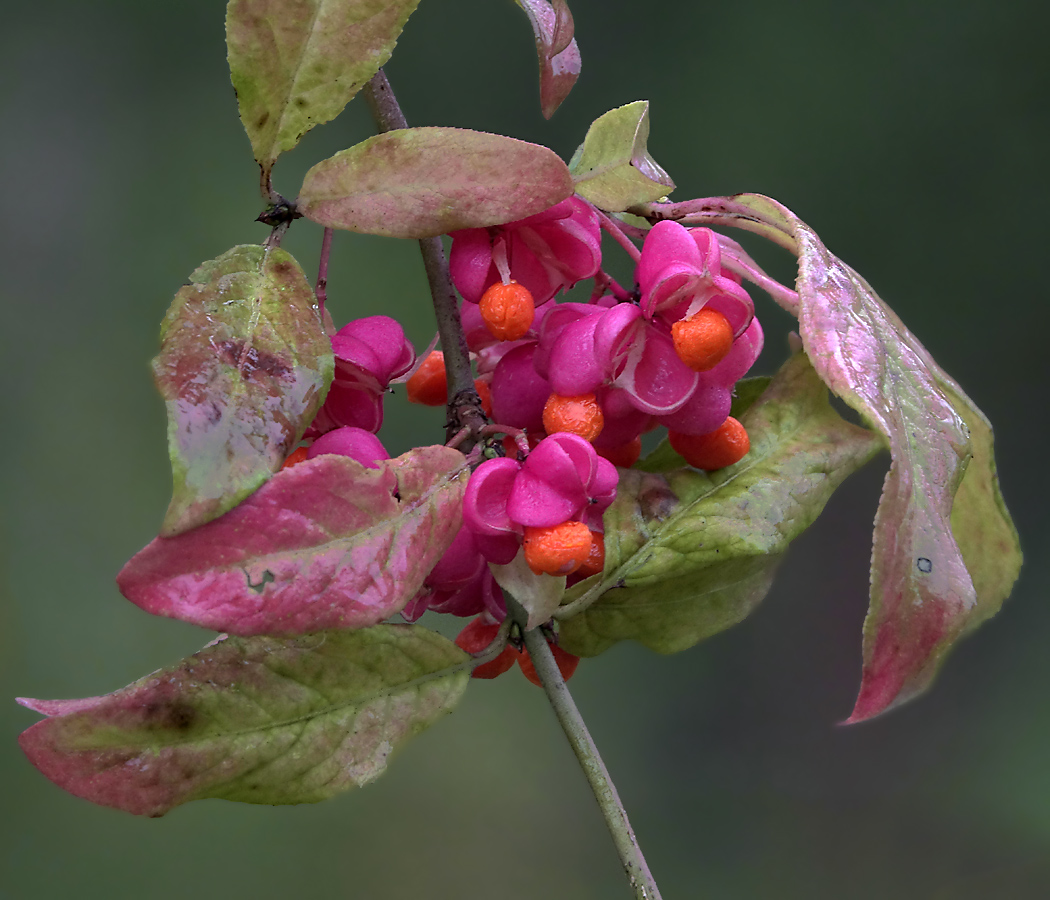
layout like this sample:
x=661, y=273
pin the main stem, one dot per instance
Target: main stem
x=464, y=404
x=586, y=751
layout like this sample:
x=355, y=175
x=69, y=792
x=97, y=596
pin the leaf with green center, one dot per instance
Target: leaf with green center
x=613, y=168
x=296, y=63
x=422, y=182
x=327, y=543
x=690, y=553
x=243, y=368
x=259, y=720
x=559, y=56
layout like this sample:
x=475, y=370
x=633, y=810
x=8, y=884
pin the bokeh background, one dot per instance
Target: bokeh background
x=912, y=135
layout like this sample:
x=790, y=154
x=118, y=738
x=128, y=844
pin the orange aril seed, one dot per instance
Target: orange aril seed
x=703, y=340
x=577, y=415
x=297, y=456
x=428, y=385
x=485, y=395
x=567, y=664
x=557, y=549
x=475, y=638
x=595, y=561
x=724, y=446
x=507, y=310
x=624, y=456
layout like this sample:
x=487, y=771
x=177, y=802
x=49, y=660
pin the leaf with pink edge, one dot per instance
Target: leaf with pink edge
x=243, y=368
x=613, y=167
x=327, y=543
x=689, y=553
x=258, y=720
x=559, y=55
x=945, y=552
x=296, y=63
x=422, y=182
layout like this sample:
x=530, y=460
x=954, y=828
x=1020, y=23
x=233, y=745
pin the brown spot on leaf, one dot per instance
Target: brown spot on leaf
x=172, y=715
x=250, y=359
x=267, y=578
x=656, y=500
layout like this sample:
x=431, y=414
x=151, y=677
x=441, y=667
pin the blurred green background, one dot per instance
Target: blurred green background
x=912, y=135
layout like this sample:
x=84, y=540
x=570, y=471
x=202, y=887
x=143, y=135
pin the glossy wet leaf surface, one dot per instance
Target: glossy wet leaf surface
x=296, y=63
x=327, y=543
x=422, y=182
x=945, y=552
x=259, y=720
x=690, y=553
x=243, y=368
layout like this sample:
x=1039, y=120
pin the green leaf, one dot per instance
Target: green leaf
x=259, y=720
x=691, y=553
x=613, y=168
x=422, y=182
x=663, y=458
x=980, y=521
x=243, y=368
x=296, y=63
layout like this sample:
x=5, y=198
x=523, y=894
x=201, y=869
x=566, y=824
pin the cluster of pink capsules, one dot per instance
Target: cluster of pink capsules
x=574, y=384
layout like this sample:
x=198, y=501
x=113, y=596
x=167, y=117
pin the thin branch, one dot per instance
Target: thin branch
x=611, y=227
x=269, y=195
x=464, y=404
x=496, y=645
x=602, y=281
x=321, y=290
x=738, y=260
x=273, y=239
x=586, y=751
x=719, y=211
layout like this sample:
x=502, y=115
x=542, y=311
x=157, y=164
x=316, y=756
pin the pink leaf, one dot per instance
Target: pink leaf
x=945, y=551
x=559, y=55
x=422, y=182
x=259, y=720
x=243, y=367
x=324, y=544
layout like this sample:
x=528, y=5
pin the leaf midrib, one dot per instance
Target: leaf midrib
x=332, y=708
